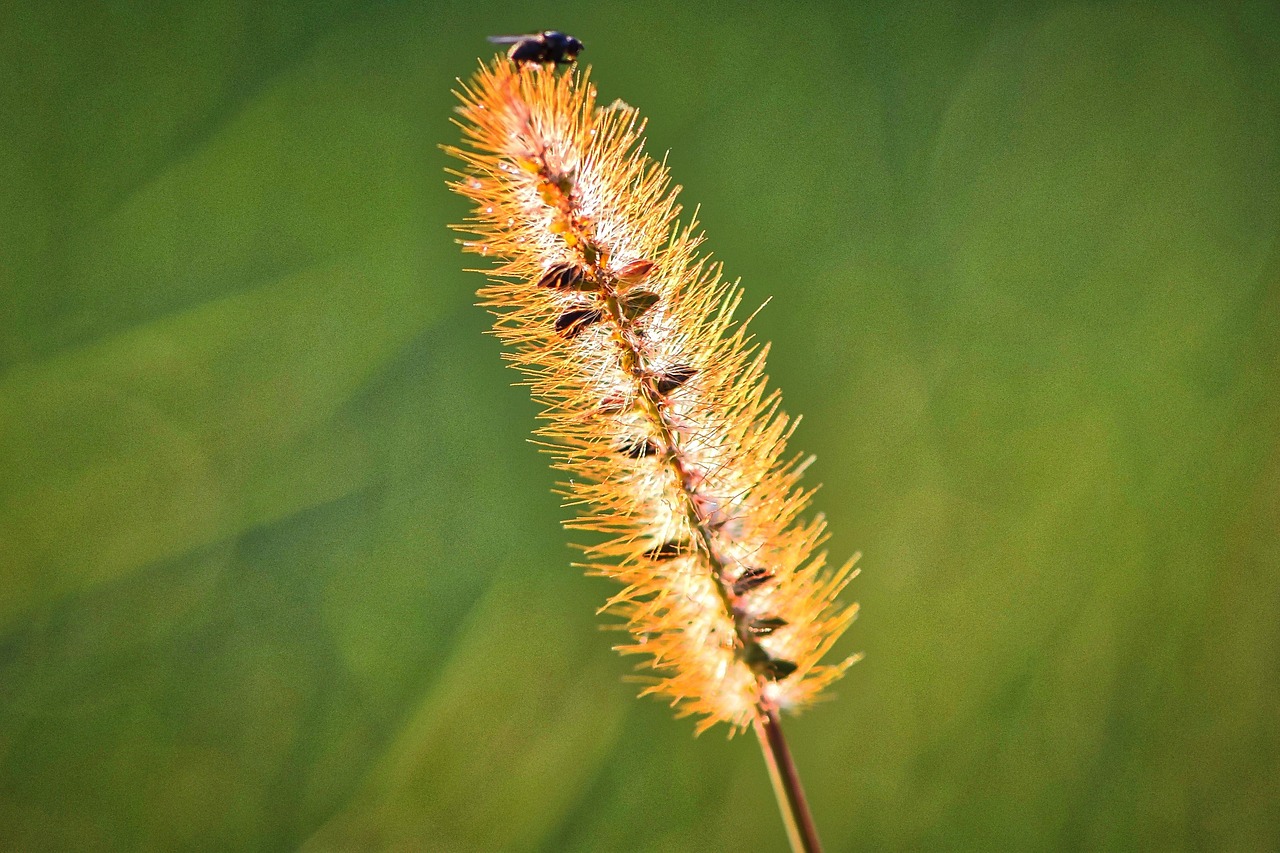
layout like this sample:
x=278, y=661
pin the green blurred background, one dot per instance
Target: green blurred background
x=280, y=570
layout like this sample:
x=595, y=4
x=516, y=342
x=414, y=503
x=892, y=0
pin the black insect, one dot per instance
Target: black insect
x=547, y=47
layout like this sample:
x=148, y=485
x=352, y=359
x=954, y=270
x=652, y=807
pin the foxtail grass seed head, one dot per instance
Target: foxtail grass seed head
x=656, y=399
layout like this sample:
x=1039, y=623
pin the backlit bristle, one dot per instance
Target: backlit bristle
x=655, y=398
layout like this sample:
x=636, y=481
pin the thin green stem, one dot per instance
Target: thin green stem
x=801, y=831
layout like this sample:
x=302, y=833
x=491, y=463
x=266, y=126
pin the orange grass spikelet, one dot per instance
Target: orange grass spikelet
x=656, y=399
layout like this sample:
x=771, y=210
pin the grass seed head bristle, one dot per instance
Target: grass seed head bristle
x=655, y=398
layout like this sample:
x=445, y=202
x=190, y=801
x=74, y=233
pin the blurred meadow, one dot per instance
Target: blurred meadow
x=279, y=570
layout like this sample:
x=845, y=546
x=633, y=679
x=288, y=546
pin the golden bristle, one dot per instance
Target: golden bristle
x=656, y=400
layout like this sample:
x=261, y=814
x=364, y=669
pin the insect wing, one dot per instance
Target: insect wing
x=532, y=49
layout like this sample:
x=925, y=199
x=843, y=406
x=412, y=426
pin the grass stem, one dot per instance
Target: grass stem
x=801, y=831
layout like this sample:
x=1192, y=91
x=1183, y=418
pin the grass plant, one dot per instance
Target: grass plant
x=656, y=407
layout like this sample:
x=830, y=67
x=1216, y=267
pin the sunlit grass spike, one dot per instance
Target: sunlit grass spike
x=655, y=402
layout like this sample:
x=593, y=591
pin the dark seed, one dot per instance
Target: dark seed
x=777, y=669
x=754, y=656
x=674, y=378
x=752, y=578
x=566, y=276
x=637, y=302
x=560, y=275
x=635, y=272
x=572, y=322
x=765, y=627
x=638, y=448
x=667, y=550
